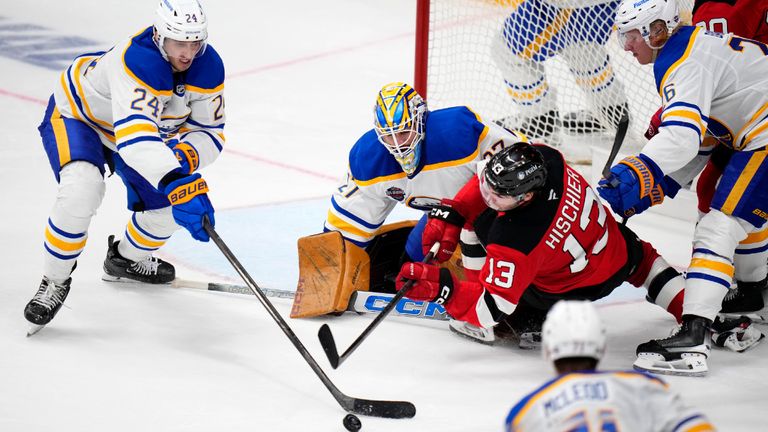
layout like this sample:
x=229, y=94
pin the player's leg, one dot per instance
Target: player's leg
x=519, y=50
x=75, y=154
x=587, y=33
x=741, y=190
x=751, y=277
x=150, y=226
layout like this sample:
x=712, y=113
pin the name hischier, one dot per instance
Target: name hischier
x=572, y=203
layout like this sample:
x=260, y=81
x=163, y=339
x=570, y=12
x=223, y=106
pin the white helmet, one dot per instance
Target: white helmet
x=639, y=14
x=181, y=20
x=572, y=329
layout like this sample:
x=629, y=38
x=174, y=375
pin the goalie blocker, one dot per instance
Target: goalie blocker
x=331, y=269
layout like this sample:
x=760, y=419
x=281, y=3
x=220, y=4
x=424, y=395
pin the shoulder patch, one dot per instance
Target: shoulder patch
x=144, y=63
x=206, y=75
x=370, y=162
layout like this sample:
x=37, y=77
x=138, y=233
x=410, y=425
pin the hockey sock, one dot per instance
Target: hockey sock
x=146, y=232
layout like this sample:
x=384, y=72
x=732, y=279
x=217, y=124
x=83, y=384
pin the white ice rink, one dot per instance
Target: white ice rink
x=302, y=76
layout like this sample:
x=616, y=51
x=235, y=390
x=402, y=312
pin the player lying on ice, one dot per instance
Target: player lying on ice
x=152, y=110
x=707, y=81
x=412, y=156
x=547, y=237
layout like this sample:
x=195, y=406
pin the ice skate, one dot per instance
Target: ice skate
x=749, y=299
x=736, y=334
x=149, y=270
x=474, y=333
x=45, y=304
x=543, y=127
x=684, y=353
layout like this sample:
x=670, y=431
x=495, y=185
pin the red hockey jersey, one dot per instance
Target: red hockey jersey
x=565, y=239
x=746, y=18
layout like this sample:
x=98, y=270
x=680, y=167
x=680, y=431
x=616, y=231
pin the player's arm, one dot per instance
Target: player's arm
x=496, y=138
x=482, y=302
x=677, y=142
x=357, y=211
x=201, y=137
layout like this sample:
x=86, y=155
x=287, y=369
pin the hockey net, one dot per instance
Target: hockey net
x=546, y=67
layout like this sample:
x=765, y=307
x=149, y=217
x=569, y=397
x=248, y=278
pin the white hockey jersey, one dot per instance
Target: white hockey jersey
x=130, y=96
x=455, y=140
x=605, y=401
x=709, y=82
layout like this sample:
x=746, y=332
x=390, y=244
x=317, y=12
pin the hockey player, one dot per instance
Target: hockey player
x=152, y=110
x=707, y=81
x=547, y=236
x=577, y=31
x=749, y=19
x=413, y=157
x=581, y=398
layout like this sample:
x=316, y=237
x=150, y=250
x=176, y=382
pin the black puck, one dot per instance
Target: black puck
x=352, y=423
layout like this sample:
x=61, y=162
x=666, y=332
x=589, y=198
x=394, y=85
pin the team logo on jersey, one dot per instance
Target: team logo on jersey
x=180, y=89
x=396, y=193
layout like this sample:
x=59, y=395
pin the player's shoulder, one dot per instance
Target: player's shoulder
x=143, y=62
x=452, y=134
x=675, y=52
x=206, y=74
x=523, y=405
x=369, y=161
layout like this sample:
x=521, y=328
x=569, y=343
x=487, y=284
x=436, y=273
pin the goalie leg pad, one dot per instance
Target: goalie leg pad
x=330, y=270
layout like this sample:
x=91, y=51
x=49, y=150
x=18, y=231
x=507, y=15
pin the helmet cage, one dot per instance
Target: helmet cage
x=399, y=122
x=183, y=21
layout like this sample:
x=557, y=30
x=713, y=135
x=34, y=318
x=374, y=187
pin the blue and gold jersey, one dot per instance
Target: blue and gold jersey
x=132, y=98
x=709, y=83
x=605, y=401
x=455, y=140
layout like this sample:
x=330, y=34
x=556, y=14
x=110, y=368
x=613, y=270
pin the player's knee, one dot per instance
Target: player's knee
x=81, y=189
x=720, y=233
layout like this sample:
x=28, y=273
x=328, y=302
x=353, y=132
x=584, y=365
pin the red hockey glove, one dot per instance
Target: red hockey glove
x=431, y=283
x=653, y=126
x=444, y=226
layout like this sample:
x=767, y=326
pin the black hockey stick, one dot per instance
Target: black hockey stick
x=375, y=408
x=618, y=141
x=326, y=336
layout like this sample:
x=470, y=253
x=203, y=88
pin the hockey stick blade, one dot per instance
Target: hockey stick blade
x=329, y=345
x=367, y=407
x=326, y=336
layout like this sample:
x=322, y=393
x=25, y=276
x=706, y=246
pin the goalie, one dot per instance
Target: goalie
x=577, y=31
x=412, y=157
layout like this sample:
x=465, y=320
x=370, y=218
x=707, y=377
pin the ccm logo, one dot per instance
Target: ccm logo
x=405, y=306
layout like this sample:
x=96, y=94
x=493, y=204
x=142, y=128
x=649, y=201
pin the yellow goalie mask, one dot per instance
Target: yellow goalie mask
x=399, y=119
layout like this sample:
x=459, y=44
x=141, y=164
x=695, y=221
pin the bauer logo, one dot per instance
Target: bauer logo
x=376, y=303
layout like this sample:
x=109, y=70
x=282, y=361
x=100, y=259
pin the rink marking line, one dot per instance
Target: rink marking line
x=23, y=97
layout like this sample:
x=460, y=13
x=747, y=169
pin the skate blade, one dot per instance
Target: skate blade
x=33, y=329
x=694, y=365
x=479, y=336
x=109, y=278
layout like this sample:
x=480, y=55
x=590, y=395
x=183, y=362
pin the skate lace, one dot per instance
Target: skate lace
x=147, y=266
x=731, y=294
x=50, y=295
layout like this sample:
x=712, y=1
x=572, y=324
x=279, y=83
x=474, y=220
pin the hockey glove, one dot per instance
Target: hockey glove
x=188, y=196
x=444, y=226
x=736, y=334
x=431, y=283
x=667, y=187
x=631, y=180
x=186, y=155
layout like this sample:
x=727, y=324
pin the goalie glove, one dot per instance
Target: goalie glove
x=736, y=334
x=444, y=226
